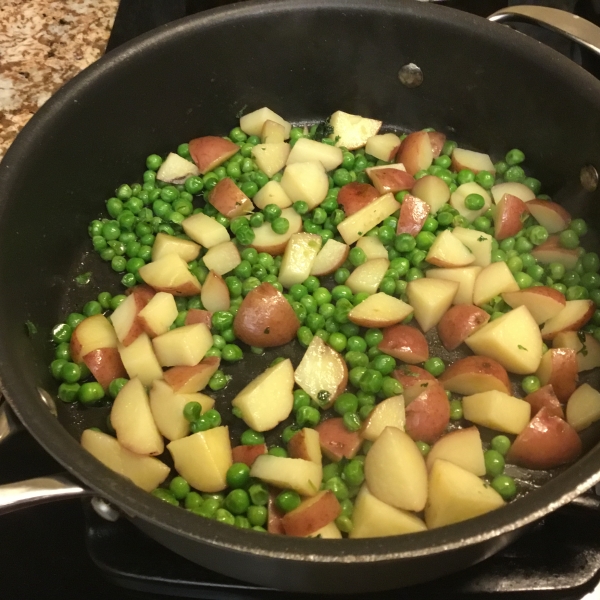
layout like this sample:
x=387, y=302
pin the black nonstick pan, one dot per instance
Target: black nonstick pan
x=482, y=84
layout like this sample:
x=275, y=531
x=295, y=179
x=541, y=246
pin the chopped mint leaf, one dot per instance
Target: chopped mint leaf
x=31, y=328
x=521, y=347
x=84, y=278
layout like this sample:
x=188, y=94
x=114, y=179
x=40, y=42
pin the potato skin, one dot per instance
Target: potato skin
x=459, y=323
x=354, y=196
x=428, y=415
x=265, y=318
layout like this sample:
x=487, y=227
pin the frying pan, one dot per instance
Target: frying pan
x=484, y=85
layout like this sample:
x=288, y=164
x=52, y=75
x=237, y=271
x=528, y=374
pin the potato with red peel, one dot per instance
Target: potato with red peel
x=465, y=276
x=583, y=407
x=416, y=152
x=215, y=293
x=268, y=399
x=428, y=415
x=158, y=315
x=475, y=374
x=413, y=214
x=586, y=346
x=461, y=447
x=390, y=178
x=437, y=139
x=369, y=216
x=367, y=277
x=185, y=345
x=266, y=240
x=404, y=343
x=388, y=413
x=395, y=471
x=543, y=302
x=306, y=444
x=432, y=190
x=572, y=317
x=456, y=495
x=169, y=244
x=274, y=514
x=254, y=122
x=469, y=159
x=91, y=334
x=140, y=361
x=380, y=310
x=550, y=215
x=354, y=196
x=513, y=188
x=330, y=258
x=352, y=131
x=547, y=442
x=373, y=518
x=132, y=419
x=383, y=146
x=175, y=169
x=222, y=258
x=336, y=441
x=210, y=151
x=303, y=476
x=187, y=380
x=247, y=454
x=448, y=251
x=322, y=373
x=494, y=280
x=265, y=318
x=312, y=514
x=508, y=218
x=105, y=364
x=497, y=410
x=559, y=369
x=459, y=322
x=170, y=274
x=272, y=132
x=552, y=251
x=545, y=398
x=430, y=299
x=125, y=319
x=198, y=315
x=229, y=199
x=413, y=380
x=513, y=340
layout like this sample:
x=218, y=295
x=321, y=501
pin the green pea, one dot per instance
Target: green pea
x=514, y=157
x=90, y=393
x=384, y=364
x=70, y=372
x=474, y=202
x=252, y=438
x=116, y=385
x=435, y=366
x=308, y=416
x=237, y=501
x=238, y=475
x=391, y=387
x=494, y=463
x=578, y=226
x=515, y=173
x=61, y=333
x=465, y=176
x=346, y=402
x=193, y=501
x=373, y=337
x=538, y=235
x=356, y=359
x=357, y=256
x=153, y=162
x=271, y=212
x=232, y=353
x=505, y=486
x=288, y=500
x=568, y=239
x=456, y=410
x=404, y=243
x=218, y=381
x=338, y=487
x=501, y=444
x=371, y=381
x=353, y=473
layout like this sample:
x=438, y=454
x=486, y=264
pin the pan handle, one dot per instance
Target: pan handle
x=572, y=26
x=14, y=496
x=9, y=425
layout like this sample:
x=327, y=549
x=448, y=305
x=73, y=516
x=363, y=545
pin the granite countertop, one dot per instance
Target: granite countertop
x=43, y=43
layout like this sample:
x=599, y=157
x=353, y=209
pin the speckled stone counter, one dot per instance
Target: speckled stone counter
x=43, y=43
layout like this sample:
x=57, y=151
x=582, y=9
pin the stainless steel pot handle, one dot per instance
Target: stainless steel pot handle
x=9, y=425
x=572, y=26
x=14, y=496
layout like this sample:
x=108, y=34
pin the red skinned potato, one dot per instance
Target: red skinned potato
x=274, y=514
x=312, y=514
x=437, y=140
x=547, y=442
x=229, y=200
x=125, y=320
x=188, y=380
x=247, y=453
x=559, y=369
x=210, y=151
x=404, y=343
x=551, y=251
x=459, y=323
x=550, y=215
x=572, y=317
x=105, y=364
x=91, y=334
x=413, y=215
x=390, y=179
x=475, y=374
x=413, y=380
x=416, y=152
x=354, y=196
x=545, y=398
x=543, y=302
x=469, y=159
x=198, y=315
x=336, y=441
x=507, y=218
x=428, y=415
x=265, y=318
x=145, y=292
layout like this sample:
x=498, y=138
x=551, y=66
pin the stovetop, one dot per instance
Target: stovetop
x=65, y=550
